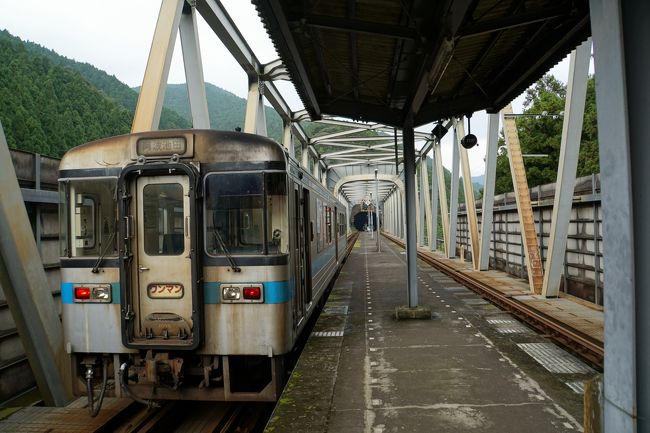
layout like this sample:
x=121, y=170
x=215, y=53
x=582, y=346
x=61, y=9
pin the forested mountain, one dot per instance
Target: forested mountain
x=226, y=110
x=109, y=85
x=50, y=103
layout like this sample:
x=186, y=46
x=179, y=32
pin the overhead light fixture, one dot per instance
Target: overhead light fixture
x=470, y=139
x=439, y=131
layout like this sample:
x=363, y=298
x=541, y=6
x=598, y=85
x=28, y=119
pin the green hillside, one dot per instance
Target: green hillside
x=226, y=109
x=47, y=108
x=109, y=85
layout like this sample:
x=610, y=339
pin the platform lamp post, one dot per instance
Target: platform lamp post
x=377, y=210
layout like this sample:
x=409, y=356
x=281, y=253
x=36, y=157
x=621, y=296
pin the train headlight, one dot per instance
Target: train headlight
x=90, y=293
x=230, y=293
x=242, y=293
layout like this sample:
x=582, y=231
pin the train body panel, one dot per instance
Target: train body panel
x=191, y=260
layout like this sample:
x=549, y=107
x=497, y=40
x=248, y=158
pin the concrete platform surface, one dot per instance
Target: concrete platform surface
x=471, y=368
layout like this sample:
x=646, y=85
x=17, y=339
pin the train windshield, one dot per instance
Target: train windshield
x=88, y=218
x=245, y=213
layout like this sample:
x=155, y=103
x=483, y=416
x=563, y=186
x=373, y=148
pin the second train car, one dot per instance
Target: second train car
x=190, y=263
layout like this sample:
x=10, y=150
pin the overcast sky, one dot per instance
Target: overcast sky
x=115, y=36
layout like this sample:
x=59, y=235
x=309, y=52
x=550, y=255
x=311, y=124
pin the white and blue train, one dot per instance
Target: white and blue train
x=190, y=263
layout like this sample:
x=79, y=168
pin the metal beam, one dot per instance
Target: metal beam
x=154, y=83
x=411, y=241
x=26, y=288
x=255, y=120
x=574, y=110
x=426, y=198
x=512, y=21
x=356, y=26
x=621, y=95
x=488, y=189
x=193, y=68
x=470, y=207
x=453, y=203
x=442, y=194
x=433, y=227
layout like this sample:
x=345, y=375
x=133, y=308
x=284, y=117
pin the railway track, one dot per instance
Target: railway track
x=582, y=345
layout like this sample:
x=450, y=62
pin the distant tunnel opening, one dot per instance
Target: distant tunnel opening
x=361, y=221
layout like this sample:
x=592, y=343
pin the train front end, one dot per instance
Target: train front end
x=175, y=256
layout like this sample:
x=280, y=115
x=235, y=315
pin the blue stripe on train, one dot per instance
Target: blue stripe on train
x=67, y=293
x=275, y=292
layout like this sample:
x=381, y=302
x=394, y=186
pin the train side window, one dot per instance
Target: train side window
x=277, y=212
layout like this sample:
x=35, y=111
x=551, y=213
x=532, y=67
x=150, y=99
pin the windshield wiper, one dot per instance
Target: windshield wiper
x=222, y=244
x=102, y=254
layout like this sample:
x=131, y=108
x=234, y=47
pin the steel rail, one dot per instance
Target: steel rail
x=576, y=341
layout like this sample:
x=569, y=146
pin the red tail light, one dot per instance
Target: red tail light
x=82, y=292
x=252, y=293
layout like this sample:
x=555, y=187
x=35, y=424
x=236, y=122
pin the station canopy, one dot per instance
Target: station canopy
x=379, y=60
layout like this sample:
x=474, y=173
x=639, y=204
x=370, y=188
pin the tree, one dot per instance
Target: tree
x=542, y=135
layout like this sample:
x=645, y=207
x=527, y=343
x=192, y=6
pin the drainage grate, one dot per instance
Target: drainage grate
x=328, y=334
x=554, y=359
x=508, y=326
x=577, y=386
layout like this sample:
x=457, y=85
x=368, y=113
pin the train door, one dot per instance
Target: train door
x=335, y=228
x=308, y=236
x=299, y=261
x=163, y=269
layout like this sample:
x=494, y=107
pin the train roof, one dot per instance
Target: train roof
x=200, y=145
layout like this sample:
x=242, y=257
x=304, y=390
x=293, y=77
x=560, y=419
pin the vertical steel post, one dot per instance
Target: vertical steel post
x=453, y=219
x=442, y=193
x=370, y=219
x=377, y=212
x=488, y=190
x=419, y=206
x=26, y=288
x=622, y=92
x=287, y=139
x=409, y=183
x=193, y=68
x=470, y=208
x=574, y=109
x=255, y=120
x=426, y=198
x=154, y=83
x=433, y=227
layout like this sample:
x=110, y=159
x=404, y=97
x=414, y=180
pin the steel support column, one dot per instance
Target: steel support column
x=488, y=190
x=193, y=68
x=409, y=186
x=622, y=92
x=442, y=193
x=255, y=120
x=419, y=206
x=287, y=139
x=152, y=92
x=574, y=110
x=26, y=288
x=377, y=212
x=433, y=227
x=470, y=208
x=453, y=204
x=426, y=198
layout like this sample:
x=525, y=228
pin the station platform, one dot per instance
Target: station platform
x=470, y=368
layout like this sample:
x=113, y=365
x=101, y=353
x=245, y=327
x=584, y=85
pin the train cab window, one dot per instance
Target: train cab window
x=234, y=213
x=88, y=215
x=163, y=217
